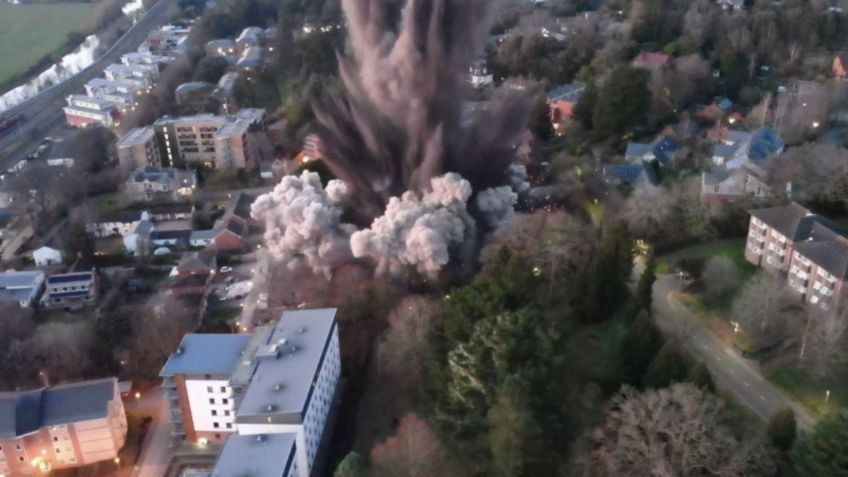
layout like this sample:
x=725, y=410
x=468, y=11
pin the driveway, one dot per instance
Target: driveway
x=730, y=370
x=157, y=448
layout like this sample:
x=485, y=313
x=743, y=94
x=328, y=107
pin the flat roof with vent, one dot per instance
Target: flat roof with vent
x=263, y=455
x=286, y=366
x=206, y=354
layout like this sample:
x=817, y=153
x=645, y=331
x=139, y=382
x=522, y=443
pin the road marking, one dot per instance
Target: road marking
x=762, y=398
x=746, y=384
x=732, y=371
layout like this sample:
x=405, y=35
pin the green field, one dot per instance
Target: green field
x=30, y=32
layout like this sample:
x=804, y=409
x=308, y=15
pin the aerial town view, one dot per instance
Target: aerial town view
x=423, y=238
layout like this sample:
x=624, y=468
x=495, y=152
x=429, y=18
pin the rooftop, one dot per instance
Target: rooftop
x=287, y=365
x=206, y=354
x=263, y=455
x=137, y=136
x=24, y=412
x=569, y=92
x=25, y=279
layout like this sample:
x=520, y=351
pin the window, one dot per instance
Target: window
x=216, y=425
x=211, y=400
x=208, y=389
x=214, y=412
x=217, y=435
x=21, y=458
x=225, y=401
x=55, y=439
x=226, y=413
x=17, y=447
x=223, y=389
x=229, y=425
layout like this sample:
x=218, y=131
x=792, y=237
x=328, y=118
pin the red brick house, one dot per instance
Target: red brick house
x=652, y=59
x=840, y=66
x=807, y=247
x=230, y=236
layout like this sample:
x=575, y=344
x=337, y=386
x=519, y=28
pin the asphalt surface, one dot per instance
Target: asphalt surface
x=158, y=446
x=730, y=370
x=43, y=113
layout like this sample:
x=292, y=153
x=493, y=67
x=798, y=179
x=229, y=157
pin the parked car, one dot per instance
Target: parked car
x=226, y=270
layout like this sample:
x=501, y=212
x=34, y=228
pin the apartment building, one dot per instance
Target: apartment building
x=201, y=390
x=84, y=111
x=60, y=427
x=141, y=74
x=214, y=141
x=809, y=248
x=138, y=148
x=281, y=384
x=121, y=93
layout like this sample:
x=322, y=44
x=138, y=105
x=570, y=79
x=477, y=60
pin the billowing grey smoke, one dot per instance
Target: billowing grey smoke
x=418, y=231
x=303, y=222
x=400, y=123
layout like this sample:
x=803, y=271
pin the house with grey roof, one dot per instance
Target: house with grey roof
x=61, y=427
x=810, y=249
x=150, y=183
x=748, y=181
x=23, y=288
x=741, y=147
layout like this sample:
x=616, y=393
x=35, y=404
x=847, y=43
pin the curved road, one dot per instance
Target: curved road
x=43, y=113
x=731, y=371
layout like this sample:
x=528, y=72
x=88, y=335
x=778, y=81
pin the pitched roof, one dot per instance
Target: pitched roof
x=24, y=412
x=170, y=235
x=24, y=279
x=832, y=255
x=793, y=221
x=202, y=260
x=570, y=92
x=652, y=58
x=631, y=173
x=637, y=149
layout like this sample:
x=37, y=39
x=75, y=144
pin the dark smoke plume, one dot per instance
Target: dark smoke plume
x=401, y=122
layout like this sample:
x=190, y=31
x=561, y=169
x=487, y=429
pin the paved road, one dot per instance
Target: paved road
x=157, y=448
x=730, y=370
x=44, y=113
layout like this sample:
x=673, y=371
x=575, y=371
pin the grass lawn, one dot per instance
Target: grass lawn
x=811, y=394
x=30, y=32
x=733, y=249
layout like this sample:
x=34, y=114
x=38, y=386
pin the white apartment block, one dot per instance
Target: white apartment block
x=281, y=382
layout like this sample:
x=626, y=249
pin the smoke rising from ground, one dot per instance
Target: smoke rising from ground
x=401, y=123
x=303, y=222
x=426, y=182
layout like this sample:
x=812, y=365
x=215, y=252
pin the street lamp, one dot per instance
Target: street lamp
x=826, y=396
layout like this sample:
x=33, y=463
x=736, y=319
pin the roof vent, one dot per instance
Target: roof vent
x=179, y=350
x=270, y=408
x=301, y=330
x=260, y=437
x=282, y=341
x=278, y=387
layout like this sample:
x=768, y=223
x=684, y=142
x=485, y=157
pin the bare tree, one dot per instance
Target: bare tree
x=826, y=340
x=648, y=211
x=401, y=353
x=820, y=169
x=766, y=309
x=679, y=430
x=415, y=451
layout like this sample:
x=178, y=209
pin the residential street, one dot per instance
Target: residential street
x=730, y=370
x=157, y=447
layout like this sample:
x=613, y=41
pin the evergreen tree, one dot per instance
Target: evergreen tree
x=622, y=104
x=700, y=376
x=353, y=465
x=823, y=452
x=540, y=119
x=668, y=366
x=782, y=429
x=645, y=288
x=515, y=438
x=639, y=347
